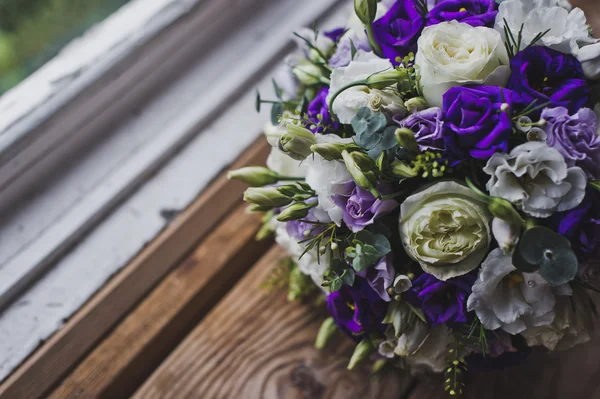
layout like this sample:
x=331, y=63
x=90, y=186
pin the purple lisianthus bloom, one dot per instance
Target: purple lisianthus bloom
x=575, y=137
x=360, y=207
x=476, y=123
x=318, y=106
x=302, y=229
x=357, y=310
x=546, y=76
x=335, y=34
x=581, y=225
x=427, y=126
x=443, y=302
x=398, y=30
x=472, y=12
x=380, y=277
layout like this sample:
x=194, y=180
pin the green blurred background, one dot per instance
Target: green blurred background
x=34, y=31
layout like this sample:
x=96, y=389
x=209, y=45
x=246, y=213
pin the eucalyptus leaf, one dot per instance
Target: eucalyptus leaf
x=382, y=245
x=559, y=266
x=534, y=246
x=367, y=121
x=335, y=285
x=367, y=256
x=348, y=277
x=276, y=112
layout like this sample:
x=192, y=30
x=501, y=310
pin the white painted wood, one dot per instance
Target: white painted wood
x=170, y=121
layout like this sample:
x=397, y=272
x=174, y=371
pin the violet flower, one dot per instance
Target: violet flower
x=360, y=208
x=357, y=310
x=427, y=126
x=380, y=277
x=319, y=106
x=575, y=137
x=443, y=302
x=472, y=12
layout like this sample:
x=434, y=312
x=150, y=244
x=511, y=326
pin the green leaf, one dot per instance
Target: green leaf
x=367, y=121
x=559, y=266
x=353, y=50
x=258, y=101
x=534, y=244
x=595, y=184
x=367, y=255
x=276, y=112
x=348, y=277
x=335, y=285
x=382, y=244
x=277, y=89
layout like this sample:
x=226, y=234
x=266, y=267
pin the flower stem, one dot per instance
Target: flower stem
x=343, y=89
x=374, y=45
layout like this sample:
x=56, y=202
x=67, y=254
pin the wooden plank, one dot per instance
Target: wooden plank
x=592, y=12
x=65, y=349
x=259, y=345
x=146, y=336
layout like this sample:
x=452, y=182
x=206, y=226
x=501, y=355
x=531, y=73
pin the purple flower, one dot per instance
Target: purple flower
x=548, y=76
x=380, y=277
x=360, y=207
x=335, y=34
x=318, y=106
x=443, y=302
x=357, y=310
x=297, y=228
x=398, y=30
x=581, y=225
x=575, y=137
x=474, y=123
x=472, y=12
x=427, y=126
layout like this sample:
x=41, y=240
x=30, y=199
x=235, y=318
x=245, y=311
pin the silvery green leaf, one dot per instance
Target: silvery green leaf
x=336, y=285
x=348, y=277
x=382, y=244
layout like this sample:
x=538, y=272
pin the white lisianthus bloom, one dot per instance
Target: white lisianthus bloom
x=327, y=178
x=309, y=263
x=454, y=54
x=446, y=228
x=273, y=133
x=589, y=56
x=284, y=165
x=536, y=178
x=570, y=327
x=347, y=104
x=434, y=353
x=567, y=27
x=505, y=298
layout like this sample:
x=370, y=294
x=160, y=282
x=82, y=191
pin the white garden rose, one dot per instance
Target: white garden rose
x=454, y=54
x=505, y=298
x=347, y=104
x=536, y=178
x=327, y=178
x=446, y=228
x=567, y=26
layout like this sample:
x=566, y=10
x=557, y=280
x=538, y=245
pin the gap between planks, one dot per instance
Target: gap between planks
x=256, y=344
x=61, y=353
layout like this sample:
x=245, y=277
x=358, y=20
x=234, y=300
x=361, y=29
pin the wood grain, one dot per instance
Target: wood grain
x=63, y=351
x=140, y=342
x=259, y=345
x=592, y=12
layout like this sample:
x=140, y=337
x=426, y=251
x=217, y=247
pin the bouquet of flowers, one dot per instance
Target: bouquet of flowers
x=433, y=172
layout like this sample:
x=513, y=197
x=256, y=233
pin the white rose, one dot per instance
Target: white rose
x=536, y=178
x=347, y=104
x=327, y=178
x=284, y=165
x=446, y=228
x=567, y=27
x=454, y=54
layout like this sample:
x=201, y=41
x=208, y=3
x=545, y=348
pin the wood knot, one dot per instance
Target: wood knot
x=304, y=379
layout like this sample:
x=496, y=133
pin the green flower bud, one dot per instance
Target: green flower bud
x=403, y=170
x=300, y=285
x=362, y=351
x=327, y=330
x=297, y=142
x=308, y=73
x=255, y=176
x=296, y=211
x=366, y=10
x=416, y=104
x=384, y=79
x=503, y=209
x=266, y=197
x=330, y=151
x=379, y=365
x=406, y=139
x=361, y=168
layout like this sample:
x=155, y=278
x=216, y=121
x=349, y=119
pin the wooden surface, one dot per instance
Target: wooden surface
x=259, y=345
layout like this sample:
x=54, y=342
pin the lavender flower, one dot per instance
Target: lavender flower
x=380, y=277
x=427, y=126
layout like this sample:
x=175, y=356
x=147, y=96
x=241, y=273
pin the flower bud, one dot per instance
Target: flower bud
x=402, y=284
x=416, y=104
x=329, y=151
x=362, y=351
x=507, y=234
x=328, y=328
x=406, y=139
x=308, y=73
x=366, y=10
x=360, y=166
x=296, y=211
x=269, y=197
x=273, y=133
x=384, y=79
x=255, y=176
x=297, y=142
x=403, y=170
x=503, y=209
